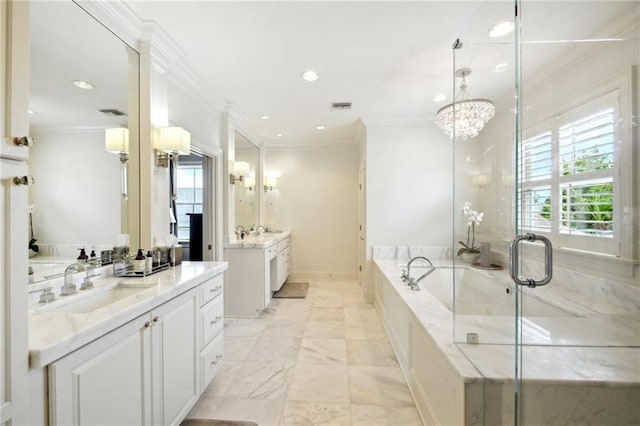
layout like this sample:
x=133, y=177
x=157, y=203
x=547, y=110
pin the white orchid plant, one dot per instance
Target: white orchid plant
x=474, y=218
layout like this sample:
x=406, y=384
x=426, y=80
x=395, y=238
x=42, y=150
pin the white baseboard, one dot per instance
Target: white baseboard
x=322, y=276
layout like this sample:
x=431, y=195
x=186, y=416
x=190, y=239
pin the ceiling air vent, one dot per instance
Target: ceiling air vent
x=112, y=112
x=341, y=106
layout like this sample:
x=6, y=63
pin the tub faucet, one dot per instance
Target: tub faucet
x=413, y=282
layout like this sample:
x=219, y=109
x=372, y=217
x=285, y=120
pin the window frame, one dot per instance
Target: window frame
x=622, y=244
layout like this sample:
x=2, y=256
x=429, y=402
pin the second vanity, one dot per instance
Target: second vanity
x=258, y=266
x=135, y=351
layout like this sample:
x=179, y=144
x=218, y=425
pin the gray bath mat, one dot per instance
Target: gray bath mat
x=292, y=290
x=207, y=422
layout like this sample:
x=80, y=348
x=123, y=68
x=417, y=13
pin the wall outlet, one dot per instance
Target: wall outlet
x=472, y=338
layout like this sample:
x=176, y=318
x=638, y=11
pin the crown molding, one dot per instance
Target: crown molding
x=117, y=17
x=309, y=143
x=397, y=121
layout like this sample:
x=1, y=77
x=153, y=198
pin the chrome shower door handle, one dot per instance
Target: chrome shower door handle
x=514, y=260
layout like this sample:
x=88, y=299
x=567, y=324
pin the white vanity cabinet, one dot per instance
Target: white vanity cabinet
x=248, y=289
x=283, y=264
x=211, y=339
x=105, y=382
x=150, y=371
x=142, y=373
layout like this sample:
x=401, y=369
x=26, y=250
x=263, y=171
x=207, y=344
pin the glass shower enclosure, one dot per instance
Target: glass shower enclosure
x=547, y=190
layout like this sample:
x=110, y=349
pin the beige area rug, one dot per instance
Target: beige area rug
x=292, y=290
x=207, y=422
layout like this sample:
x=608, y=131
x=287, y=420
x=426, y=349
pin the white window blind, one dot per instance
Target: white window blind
x=567, y=177
x=189, y=196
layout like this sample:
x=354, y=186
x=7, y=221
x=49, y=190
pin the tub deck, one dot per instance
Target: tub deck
x=569, y=383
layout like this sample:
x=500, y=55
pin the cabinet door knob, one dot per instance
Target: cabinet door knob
x=24, y=180
x=216, y=320
x=23, y=141
x=147, y=324
x=155, y=319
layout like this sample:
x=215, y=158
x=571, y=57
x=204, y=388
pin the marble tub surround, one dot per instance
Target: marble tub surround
x=53, y=334
x=339, y=368
x=569, y=382
x=263, y=240
x=405, y=253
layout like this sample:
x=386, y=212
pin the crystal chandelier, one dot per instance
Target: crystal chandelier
x=470, y=114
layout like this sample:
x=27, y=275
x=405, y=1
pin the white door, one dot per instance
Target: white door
x=14, y=122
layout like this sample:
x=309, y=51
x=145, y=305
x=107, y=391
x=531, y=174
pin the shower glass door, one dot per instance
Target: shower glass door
x=551, y=183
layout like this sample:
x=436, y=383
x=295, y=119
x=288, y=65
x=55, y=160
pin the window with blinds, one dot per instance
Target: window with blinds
x=189, y=196
x=567, y=177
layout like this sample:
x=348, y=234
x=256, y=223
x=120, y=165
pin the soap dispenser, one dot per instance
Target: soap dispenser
x=139, y=263
x=82, y=258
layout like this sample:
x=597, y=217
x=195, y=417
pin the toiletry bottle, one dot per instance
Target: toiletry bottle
x=139, y=263
x=149, y=262
x=93, y=259
x=82, y=258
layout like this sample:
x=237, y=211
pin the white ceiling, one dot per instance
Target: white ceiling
x=388, y=58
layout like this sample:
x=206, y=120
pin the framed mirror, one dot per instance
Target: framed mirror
x=84, y=89
x=247, y=210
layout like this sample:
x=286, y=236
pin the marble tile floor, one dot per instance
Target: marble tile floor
x=322, y=360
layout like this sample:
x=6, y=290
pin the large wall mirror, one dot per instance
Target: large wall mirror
x=83, y=89
x=247, y=211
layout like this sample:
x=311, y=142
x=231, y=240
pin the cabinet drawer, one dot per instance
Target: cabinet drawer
x=210, y=289
x=211, y=359
x=283, y=244
x=211, y=320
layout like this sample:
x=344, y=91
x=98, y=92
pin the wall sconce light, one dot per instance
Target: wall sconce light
x=116, y=141
x=240, y=170
x=172, y=142
x=250, y=182
x=270, y=182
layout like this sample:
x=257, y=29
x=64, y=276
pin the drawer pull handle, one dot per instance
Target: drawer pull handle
x=215, y=320
x=216, y=288
x=217, y=360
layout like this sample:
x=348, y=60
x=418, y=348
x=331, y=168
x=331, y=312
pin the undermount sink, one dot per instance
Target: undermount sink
x=86, y=301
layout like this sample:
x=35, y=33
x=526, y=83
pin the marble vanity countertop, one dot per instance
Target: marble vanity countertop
x=264, y=240
x=55, y=333
x=568, y=364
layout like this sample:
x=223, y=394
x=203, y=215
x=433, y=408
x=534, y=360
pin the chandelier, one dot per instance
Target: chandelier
x=470, y=114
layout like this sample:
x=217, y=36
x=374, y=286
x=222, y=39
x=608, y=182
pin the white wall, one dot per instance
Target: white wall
x=409, y=187
x=317, y=197
x=77, y=190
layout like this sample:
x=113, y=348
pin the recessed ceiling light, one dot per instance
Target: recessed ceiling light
x=439, y=98
x=310, y=75
x=83, y=84
x=502, y=67
x=265, y=117
x=320, y=127
x=279, y=135
x=501, y=29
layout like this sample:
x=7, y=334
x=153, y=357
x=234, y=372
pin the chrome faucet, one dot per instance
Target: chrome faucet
x=69, y=287
x=412, y=282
